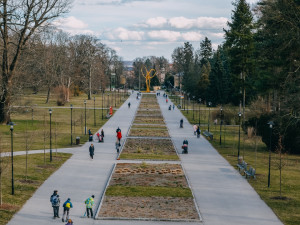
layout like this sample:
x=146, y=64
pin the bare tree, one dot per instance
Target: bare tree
x=20, y=19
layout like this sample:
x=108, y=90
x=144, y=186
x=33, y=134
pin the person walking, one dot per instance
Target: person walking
x=102, y=133
x=173, y=106
x=129, y=105
x=198, y=131
x=92, y=150
x=195, y=129
x=55, y=201
x=118, y=129
x=89, y=202
x=119, y=137
x=67, y=206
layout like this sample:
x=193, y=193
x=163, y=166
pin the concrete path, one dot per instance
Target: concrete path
x=223, y=196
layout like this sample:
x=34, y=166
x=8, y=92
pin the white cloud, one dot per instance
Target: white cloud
x=181, y=22
x=200, y=22
x=124, y=34
x=73, y=26
x=157, y=22
x=192, y=36
x=164, y=34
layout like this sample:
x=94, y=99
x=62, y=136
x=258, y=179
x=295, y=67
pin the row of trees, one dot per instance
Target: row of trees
x=39, y=57
x=259, y=60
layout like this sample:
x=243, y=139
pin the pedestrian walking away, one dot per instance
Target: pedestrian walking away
x=55, y=201
x=173, y=106
x=89, y=202
x=118, y=129
x=198, y=131
x=128, y=104
x=70, y=222
x=92, y=150
x=195, y=129
x=181, y=123
x=67, y=206
x=119, y=137
x=102, y=133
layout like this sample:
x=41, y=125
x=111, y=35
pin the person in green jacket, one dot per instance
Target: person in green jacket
x=89, y=202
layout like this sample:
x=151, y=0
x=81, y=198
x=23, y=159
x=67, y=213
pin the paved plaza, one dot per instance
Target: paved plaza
x=222, y=195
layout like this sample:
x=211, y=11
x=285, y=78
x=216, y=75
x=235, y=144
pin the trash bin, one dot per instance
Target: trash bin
x=77, y=140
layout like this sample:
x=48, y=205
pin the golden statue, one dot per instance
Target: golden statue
x=148, y=77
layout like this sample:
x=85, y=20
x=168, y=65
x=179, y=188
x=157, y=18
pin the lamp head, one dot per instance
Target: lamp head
x=84, y=101
x=50, y=111
x=11, y=127
x=209, y=103
x=71, y=106
x=240, y=114
x=221, y=109
x=271, y=124
x=200, y=99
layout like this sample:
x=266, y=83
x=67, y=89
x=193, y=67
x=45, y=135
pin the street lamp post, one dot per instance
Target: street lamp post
x=108, y=101
x=50, y=113
x=199, y=111
x=102, y=103
x=71, y=107
x=115, y=98
x=188, y=99
x=193, y=107
x=84, y=117
x=209, y=104
x=184, y=100
x=12, y=160
x=271, y=124
x=221, y=122
x=239, y=144
x=94, y=111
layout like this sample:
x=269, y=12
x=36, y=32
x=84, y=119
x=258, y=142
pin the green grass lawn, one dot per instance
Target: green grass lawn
x=37, y=121
x=38, y=172
x=256, y=154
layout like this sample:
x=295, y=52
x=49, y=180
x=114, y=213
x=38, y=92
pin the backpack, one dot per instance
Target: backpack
x=68, y=205
x=54, y=200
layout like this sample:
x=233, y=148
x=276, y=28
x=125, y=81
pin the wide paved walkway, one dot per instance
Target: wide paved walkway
x=223, y=196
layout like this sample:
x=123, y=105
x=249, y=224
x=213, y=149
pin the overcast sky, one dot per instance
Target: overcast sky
x=137, y=28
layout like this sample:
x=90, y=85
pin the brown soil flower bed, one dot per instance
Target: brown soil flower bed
x=142, y=174
x=165, y=208
x=145, y=132
x=159, y=204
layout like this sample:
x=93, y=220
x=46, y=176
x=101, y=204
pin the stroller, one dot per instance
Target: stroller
x=91, y=137
x=100, y=137
x=185, y=149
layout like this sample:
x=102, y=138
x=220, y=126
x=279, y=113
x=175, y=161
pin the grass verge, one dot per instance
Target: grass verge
x=38, y=172
x=142, y=191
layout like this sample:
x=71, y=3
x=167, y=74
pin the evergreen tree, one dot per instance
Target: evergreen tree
x=239, y=42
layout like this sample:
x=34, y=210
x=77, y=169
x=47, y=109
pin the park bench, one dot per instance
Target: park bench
x=208, y=134
x=242, y=166
x=250, y=173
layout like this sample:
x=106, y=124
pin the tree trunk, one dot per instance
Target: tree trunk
x=48, y=95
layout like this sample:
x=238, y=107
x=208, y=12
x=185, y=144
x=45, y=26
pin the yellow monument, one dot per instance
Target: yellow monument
x=148, y=77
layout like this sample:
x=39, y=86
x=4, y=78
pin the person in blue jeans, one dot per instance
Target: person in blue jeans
x=67, y=206
x=89, y=202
